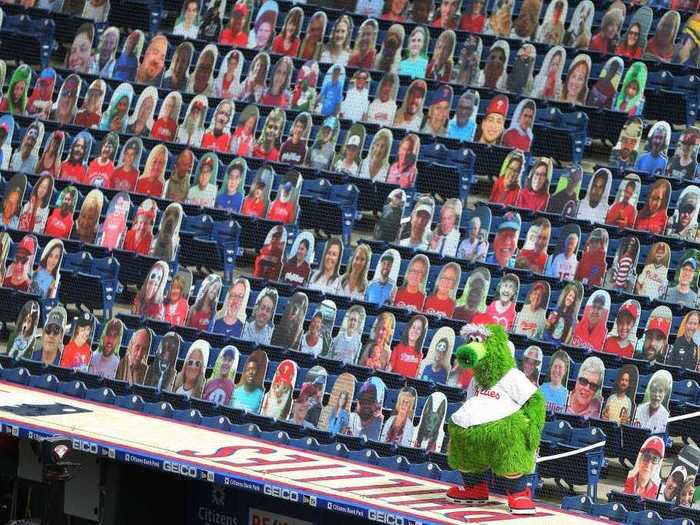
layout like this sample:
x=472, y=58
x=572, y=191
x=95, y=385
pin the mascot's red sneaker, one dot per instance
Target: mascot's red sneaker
x=473, y=494
x=521, y=502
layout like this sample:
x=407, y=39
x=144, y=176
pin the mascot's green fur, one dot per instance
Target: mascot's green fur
x=506, y=447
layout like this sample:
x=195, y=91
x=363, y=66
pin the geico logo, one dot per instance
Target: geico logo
x=84, y=446
x=383, y=517
x=279, y=492
x=176, y=468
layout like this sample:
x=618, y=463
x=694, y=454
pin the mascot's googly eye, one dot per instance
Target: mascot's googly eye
x=476, y=338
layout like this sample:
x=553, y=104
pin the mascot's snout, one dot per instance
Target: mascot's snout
x=470, y=355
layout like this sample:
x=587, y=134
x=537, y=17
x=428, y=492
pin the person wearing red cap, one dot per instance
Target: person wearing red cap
x=621, y=340
x=643, y=478
x=18, y=275
x=192, y=129
x=138, y=238
x=656, y=339
x=268, y=263
x=683, y=292
x=278, y=401
x=234, y=34
x=592, y=266
x=204, y=192
x=494, y=121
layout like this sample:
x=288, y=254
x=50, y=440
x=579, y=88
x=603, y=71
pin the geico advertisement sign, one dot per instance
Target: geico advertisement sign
x=262, y=517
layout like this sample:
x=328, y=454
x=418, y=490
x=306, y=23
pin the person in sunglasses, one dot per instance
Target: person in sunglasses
x=190, y=381
x=643, y=479
x=585, y=400
x=50, y=346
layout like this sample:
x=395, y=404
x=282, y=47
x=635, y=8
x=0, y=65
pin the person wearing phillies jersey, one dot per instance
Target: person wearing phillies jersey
x=218, y=136
x=564, y=264
x=283, y=209
x=139, y=237
x=60, y=222
x=412, y=293
x=100, y=170
x=442, y=300
x=124, y=177
x=408, y=353
x=165, y=126
x=73, y=169
x=653, y=280
x=293, y=150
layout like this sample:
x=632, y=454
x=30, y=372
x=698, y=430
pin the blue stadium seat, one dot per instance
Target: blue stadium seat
x=130, y=402
x=45, y=382
x=101, y=395
x=612, y=511
x=19, y=375
x=644, y=517
x=72, y=388
x=578, y=503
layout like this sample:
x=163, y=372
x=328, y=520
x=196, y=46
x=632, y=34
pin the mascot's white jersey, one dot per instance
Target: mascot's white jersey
x=505, y=398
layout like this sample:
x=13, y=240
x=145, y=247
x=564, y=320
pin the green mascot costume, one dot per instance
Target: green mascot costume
x=497, y=429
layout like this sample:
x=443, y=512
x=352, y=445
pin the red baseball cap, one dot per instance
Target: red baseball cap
x=629, y=308
x=654, y=444
x=27, y=245
x=498, y=104
x=660, y=324
x=285, y=372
